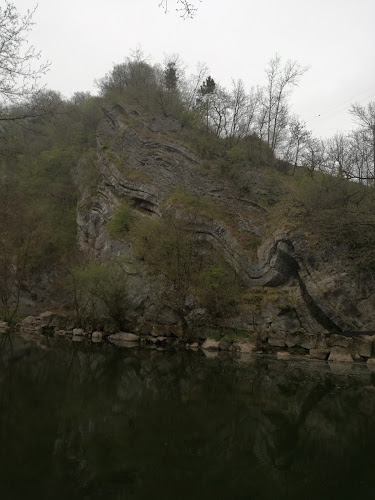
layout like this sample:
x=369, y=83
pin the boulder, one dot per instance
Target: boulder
x=309, y=341
x=340, y=354
x=277, y=339
x=30, y=320
x=245, y=346
x=363, y=346
x=293, y=339
x=3, y=327
x=339, y=341
x=210, y=345
x=124, y=336
x=79, y=332
x=321, y=341
x=283, y=355
x=46, y=318
x=319, y=353
x=96, y=336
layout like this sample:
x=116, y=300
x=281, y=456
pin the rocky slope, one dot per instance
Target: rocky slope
x=145, y=161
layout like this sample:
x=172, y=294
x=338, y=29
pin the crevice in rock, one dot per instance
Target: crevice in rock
x=110, y=117
x=316, y=311
x=144, y=206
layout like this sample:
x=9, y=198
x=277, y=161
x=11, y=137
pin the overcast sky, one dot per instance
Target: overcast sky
x=235, y=38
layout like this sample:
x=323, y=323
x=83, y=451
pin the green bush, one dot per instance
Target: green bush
x=340, y=212
x=218, y=289
x=189, y=118
x=120, y=224
x=100, y=290
x=191, y=266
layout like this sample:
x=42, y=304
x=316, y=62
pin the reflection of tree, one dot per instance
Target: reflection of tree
x=135, y=421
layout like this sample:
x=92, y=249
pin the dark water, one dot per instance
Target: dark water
x=90, y=421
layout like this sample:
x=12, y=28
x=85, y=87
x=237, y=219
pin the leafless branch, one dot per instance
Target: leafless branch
x=184, y=7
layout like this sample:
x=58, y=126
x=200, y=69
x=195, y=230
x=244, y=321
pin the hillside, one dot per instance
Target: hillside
x=152, y=209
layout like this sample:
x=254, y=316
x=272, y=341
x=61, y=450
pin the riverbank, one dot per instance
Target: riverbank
x=353, y=348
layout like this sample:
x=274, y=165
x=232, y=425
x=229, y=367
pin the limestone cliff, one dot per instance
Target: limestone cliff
x=145, y=161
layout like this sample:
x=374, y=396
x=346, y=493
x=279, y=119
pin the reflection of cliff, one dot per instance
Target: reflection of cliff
x=96, y=422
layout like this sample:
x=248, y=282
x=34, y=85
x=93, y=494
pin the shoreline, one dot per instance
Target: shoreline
x=331, y=347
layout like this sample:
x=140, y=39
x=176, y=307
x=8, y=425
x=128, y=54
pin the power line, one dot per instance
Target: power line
x=340, y=107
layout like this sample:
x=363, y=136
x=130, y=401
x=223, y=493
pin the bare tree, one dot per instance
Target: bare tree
x=280, y=81
x=339, y=156
x=21, y=95
x=361, y=157
x=238, y=102
x=20, y=72
x=313, y=156
x=298, y=137
x=193, y=85
x=219, y=111
x=365, y=117
x=252, y=110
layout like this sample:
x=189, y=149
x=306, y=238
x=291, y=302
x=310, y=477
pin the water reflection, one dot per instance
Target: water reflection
x=92, y=421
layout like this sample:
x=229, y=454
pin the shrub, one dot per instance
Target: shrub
x=218, y=289
x=120, y=224
x=101, y=290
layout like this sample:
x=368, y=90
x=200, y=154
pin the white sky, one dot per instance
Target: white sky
x=235, y=38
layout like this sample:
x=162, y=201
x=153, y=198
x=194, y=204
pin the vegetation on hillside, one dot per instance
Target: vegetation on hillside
x=324, y=188
x=38, y=195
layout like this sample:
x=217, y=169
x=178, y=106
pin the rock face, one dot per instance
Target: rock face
x=144, y=162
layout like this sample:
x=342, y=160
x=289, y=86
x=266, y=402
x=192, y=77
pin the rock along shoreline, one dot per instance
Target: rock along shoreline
x=348, y=347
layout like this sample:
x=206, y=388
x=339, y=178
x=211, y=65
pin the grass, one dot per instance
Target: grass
x=257, y=297
x=137, y=176
x=198, y=205
x=231, y=334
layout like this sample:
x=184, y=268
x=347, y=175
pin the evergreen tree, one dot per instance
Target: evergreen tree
x=208, y=87
x=171, y=76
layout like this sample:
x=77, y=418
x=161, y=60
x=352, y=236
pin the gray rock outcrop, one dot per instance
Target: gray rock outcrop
x=144, y=162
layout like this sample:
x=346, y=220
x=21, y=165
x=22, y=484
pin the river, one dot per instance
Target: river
x=92, y=421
